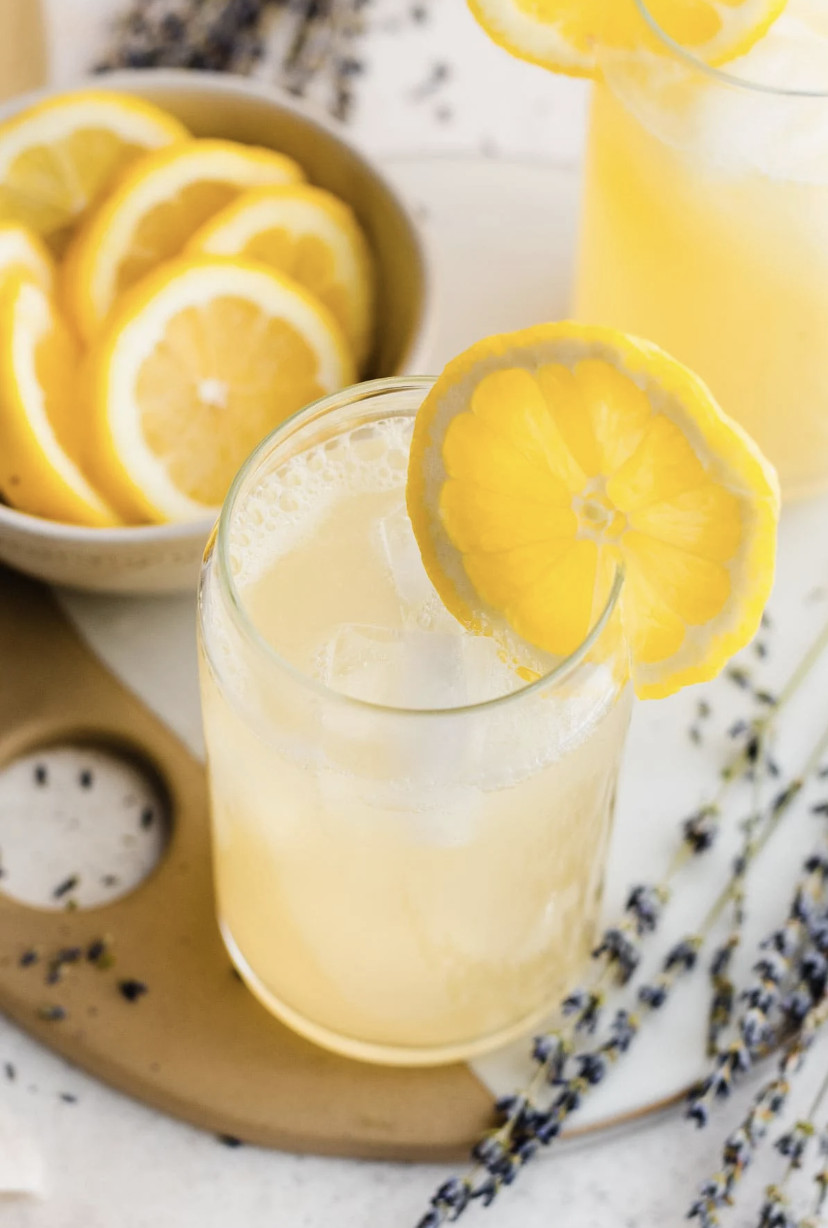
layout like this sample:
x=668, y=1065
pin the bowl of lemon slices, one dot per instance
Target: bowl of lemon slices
x=185, y=261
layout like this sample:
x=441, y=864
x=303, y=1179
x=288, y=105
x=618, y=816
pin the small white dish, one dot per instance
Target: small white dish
x=167, y=558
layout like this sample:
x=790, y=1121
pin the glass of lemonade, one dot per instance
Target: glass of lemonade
x=410, y=821
x=705, y=224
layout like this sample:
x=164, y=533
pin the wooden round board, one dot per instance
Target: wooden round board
x=198, y=1045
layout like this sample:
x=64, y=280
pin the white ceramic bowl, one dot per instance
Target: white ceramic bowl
x=167, y=558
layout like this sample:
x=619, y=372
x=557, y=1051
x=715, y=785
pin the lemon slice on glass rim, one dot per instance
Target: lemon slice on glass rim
x=562, y=35
x=545, y=462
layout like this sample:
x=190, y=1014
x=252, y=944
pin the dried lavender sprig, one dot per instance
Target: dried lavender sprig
x=761, y=725
x=793, y=1144
x=741, y=1146
x=783, y=945
x=821, y=1183
x=723, y=996
x=764, y=997
x=775, y=1211
x=533, y=1127
x=219, y=35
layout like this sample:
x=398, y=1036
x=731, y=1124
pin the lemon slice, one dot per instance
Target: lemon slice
x=153, y=212
x=198, y=364
x=58, y=158
x=41, y=432
x=563, y=34
x=313, y=237
x=22, y=252
x=546, y=460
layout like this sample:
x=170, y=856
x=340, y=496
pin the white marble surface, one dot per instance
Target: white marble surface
x=107, y=1161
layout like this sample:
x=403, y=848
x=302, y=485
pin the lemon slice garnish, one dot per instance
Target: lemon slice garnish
x=198, y=364
x=546, y=460
x=563, y=34
x=154, y=211
x=43, y=438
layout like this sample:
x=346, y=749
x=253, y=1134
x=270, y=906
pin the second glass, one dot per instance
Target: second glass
x=705, y=225
x=411, y=822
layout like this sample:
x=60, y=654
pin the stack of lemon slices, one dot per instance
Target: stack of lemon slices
x=165, y=302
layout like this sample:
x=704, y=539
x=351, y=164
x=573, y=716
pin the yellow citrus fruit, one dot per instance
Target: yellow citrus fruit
x=153, y=212
x=42, y=436
x=58, y=158
x=23, y=252
x=563, y=34
x=546, y=460
x=313, y=237
x=197, y=365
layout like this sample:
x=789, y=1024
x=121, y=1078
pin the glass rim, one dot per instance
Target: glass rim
x=356, y=394
x=721, y=75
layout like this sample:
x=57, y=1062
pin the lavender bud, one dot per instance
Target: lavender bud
x=623, y=1030
x=818, y=933
x=592, y=1067
x=722, y=959
x=698, y=1112
x=701, y=829
x=817, y=863
x=620, y=952
x=527, y=1150
x=645, y=905
x=454, y=1195
x=797, y=1004
x=773, y=967
x=512, y=1107
x=653, y=996
x=546, y=1127
x=684, y=955
x=488, y=1151
x=486, y=1191
x=431, y=1219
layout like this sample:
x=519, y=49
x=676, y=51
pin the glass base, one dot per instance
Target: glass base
x=367, y=1051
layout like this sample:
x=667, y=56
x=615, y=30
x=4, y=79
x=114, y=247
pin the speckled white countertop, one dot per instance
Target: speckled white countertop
x=111, y=1163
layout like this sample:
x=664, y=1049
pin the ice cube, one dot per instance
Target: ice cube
x=357, y=662
x=398, y=669
x=399, y=549
x=487, y=669
x=407, y=765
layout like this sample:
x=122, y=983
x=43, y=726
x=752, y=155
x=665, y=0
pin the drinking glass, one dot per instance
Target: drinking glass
x=410, y=821
x=705, y=224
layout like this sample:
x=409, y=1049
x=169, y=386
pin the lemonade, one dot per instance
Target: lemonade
x=410, y=822
x=705, y=226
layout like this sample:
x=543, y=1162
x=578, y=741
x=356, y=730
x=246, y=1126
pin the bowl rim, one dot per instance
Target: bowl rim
x=185, y=80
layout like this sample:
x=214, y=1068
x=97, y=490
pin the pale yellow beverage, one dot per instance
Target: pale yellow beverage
x=410, y=823
x=705, y=225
